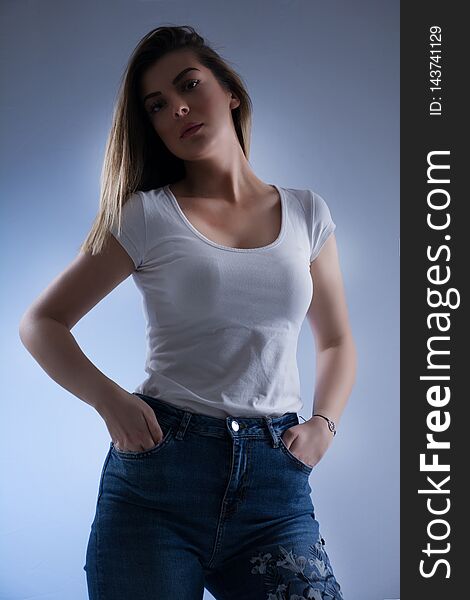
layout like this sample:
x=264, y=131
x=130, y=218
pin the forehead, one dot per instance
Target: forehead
x=162, y=72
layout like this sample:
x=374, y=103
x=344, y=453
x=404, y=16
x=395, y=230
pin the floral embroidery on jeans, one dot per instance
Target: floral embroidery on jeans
x=315, y=573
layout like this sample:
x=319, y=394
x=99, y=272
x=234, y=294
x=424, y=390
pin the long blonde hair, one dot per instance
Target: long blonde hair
x=135, y=156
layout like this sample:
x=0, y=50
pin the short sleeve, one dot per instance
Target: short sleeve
x=133, y=229
x=322, y=224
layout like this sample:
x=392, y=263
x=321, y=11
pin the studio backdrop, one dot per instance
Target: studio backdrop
x=323, y=76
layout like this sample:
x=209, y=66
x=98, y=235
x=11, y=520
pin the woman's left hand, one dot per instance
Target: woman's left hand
x=308, y=441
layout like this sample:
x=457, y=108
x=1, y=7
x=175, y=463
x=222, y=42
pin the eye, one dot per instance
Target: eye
x=155, y=105
x=191, y=81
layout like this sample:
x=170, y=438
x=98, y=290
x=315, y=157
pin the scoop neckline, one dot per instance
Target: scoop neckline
x=188, y=223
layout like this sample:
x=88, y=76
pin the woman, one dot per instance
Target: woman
x=206, y=481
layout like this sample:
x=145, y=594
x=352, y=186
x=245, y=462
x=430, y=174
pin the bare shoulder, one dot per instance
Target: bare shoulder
x=82, y=284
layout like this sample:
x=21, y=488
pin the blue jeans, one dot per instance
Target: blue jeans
x=220, y=504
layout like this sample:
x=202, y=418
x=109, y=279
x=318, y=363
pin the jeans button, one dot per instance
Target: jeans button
x=235, y=426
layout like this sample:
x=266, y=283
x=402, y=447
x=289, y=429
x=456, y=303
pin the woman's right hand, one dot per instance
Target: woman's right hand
x=131, y=422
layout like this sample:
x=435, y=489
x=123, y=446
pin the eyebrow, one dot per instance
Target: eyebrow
x=174, y=82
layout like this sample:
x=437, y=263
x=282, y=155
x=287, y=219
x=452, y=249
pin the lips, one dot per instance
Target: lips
x=190, y=128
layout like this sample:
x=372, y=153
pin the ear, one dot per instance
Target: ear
x=234, y=102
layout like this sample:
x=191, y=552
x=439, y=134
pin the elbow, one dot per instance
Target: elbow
x=27, y=326
x=24, y=327
x=344, y=348
x=344, y=340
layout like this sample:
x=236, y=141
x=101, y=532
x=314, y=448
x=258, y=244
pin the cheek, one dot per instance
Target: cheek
x=166, y=129
x=208, y=101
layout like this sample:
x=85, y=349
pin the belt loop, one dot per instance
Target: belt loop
x=183, y=425
x=274, y=435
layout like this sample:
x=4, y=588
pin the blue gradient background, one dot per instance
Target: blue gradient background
x=324, y=80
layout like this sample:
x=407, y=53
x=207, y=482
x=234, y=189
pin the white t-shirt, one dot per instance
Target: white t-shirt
x=222, y=323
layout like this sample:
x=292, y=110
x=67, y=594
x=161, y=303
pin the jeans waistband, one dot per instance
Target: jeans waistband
x=264, y=427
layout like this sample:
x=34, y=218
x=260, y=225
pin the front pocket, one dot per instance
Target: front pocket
x=303, y=466
x=146, y=453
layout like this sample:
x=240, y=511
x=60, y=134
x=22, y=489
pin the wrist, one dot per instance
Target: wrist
x=103, y=402
x=327, y=422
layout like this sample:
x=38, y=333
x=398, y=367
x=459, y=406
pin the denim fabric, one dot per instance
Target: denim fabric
x=220, y=504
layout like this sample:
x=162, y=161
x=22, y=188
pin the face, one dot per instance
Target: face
x=174, y=96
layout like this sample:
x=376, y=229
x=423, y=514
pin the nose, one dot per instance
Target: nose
x=183, y=110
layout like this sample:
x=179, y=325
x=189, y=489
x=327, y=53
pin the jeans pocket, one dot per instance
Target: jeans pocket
x=307, y=469
x=168, y=436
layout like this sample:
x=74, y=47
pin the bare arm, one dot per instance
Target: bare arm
x=45, y=327
x=336, y=357
x=335, y=349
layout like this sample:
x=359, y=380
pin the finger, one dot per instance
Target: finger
x=154, y=428
x=288, y=437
